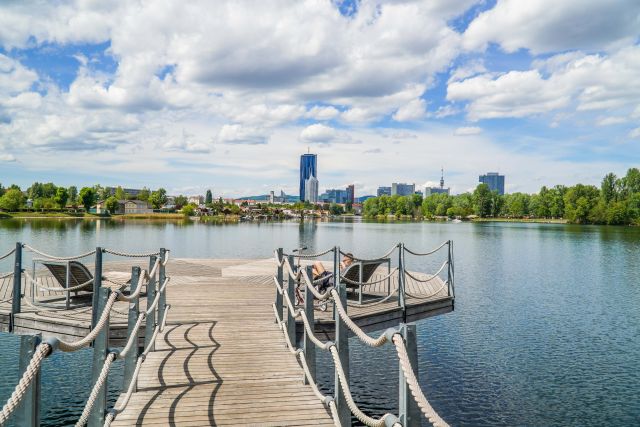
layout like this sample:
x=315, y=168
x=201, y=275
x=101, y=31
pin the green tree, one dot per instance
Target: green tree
x=579, y=200
x=158, y=198
x=12, y=200
x=120, y=194
x=180, y=201
x=73, y=194
x=188, y=210
x=208, y=198
x=61, y=197
x=112, y=204
x=2, y=190
x=335, y=209
x=87, y=197
x=608, y=188
x=144, y=194
x=482, y=200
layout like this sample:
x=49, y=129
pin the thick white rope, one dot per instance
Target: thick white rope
x=414, y=386
x=429, y=278
x=56, y=289
x=41, y=352
x=133, y=337
x=76, y=345
x=434, y=293
x=371, y=342
x=134, y=295
x=373, y=303
x=364, y=418
x=157, y=297
x=4, y=276
x=278, y=287
x=8, y=254
x=316, y=255
x=166, y=257
x=96, y=389
x=426, y=253
x=129, y=254
x=354, y=282
x=132, y=385
x=58, y=258
x=314, y=291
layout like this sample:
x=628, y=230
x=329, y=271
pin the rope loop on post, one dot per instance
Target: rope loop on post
x=57, y=258
x=426, y=253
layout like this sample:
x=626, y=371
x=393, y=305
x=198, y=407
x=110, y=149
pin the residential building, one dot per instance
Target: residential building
x=494, y=180
x=384, y=191
x=351, y=194
x=132, y=192
x=196, y=200
x=437, y=190
x=311, y=190
x=308, y=169
x=126, y=207
x=402, y=189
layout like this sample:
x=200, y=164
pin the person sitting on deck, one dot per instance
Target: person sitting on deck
x=320, y=272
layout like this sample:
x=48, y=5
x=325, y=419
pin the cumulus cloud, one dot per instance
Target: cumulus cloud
x=323, y=113
x=550, y=25
x=413, y=110
x=318, y=133
x=467, y=130
x=238, y=134
x=635, y=133
x=7, y=157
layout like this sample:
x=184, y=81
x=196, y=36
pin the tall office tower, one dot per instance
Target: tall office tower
x=402, y=189
x=384, y=191
x=494, y=180
x=351, y=194
x=308, y=169
x=311, y=190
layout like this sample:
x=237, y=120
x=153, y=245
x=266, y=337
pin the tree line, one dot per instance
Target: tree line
x=617, y=201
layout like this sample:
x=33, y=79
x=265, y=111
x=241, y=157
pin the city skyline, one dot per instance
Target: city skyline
x=121, y=94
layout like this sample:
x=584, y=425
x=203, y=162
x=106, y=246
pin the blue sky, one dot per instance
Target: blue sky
x=227, y=96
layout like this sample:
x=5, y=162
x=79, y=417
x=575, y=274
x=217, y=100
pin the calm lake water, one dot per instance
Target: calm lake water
x=546, y=329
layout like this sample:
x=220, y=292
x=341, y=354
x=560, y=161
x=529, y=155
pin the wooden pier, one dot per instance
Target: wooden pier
x=222, y=358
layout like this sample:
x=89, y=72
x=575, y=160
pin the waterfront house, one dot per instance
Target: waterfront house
x=125, y=207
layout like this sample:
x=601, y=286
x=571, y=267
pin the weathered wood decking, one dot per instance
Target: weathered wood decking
x=222, y=360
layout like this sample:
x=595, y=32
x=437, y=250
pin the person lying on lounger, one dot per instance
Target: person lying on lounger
x=320, y=272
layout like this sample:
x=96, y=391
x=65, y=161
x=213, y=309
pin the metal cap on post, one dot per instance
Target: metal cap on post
x=309, y=346
x=17, y=286
x=150, y=324
x=409, y=411
x=280, y=283
x=100, y=349
x=134, y=311
x=28, y=412
x=97, y=285
x=291, y=321
x=162, y=302
x=342, y=343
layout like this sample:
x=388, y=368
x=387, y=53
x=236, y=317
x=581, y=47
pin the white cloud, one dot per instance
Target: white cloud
x=7, y=158
x=611, y=120
x=238, y=134
x=635, y=133
x=318, y=133
x=323, y=113
x=467, y=130
x=413, y=110
x=550, y=25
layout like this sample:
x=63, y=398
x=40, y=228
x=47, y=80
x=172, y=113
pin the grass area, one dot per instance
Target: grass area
x=50, y=215
x=220, y=218
x=532, y=220
x=150, y=216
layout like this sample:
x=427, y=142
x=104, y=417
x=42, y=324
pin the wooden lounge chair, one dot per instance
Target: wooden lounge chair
x=361, y=271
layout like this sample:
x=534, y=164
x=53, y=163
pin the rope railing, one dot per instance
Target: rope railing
x=57, y=258
x=157, y=308
x=306, y=256
x=8, y=254
x=393, y=336
x=426, y=253
x=380, y=258
x=4, y=276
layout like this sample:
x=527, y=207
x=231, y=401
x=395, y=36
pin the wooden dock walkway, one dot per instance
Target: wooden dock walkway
x=222, y=360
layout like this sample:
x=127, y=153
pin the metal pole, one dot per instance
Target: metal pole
x=401, y=280
x=134, y=311
x=67, y=280
x=17, y=286
x=162, y=303
x=150, y=325
x=97, y=285
x=281, y=284
x=453, y=270
x=291, y=321
x=28, y=413
x=309, y=346
x=449, y=267
x=100, y=349
x=342, y=344
x=409, y=411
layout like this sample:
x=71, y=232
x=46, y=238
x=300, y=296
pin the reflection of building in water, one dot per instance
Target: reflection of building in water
x=437, y=190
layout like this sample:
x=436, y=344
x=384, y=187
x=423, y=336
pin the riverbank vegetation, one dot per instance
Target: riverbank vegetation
x=617, y=201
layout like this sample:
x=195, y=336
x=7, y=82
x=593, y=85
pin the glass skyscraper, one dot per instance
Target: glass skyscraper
x=494, y=180
x=308, y=168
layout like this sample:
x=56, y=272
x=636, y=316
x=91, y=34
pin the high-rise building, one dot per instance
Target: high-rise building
x=311, y=190
x=351, y=194
x=384, y=191
x=308, y=169
x=494, y=180
x=437, y=190
x=334, y=196
x=402, y=189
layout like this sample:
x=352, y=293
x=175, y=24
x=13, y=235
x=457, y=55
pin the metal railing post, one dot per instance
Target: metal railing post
x=67, y=283
x=452, y=271
x=97, y=285
x=280, y=283
x=309, y=346
x=401, y=280
x=409, y=411
x=17, y=287
x=100, y=350
x=150, y=325
x=162, y=302
x=291, y=321
x=448, y=267
x=342, y=344
x=28, y=413
x=134, y=311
